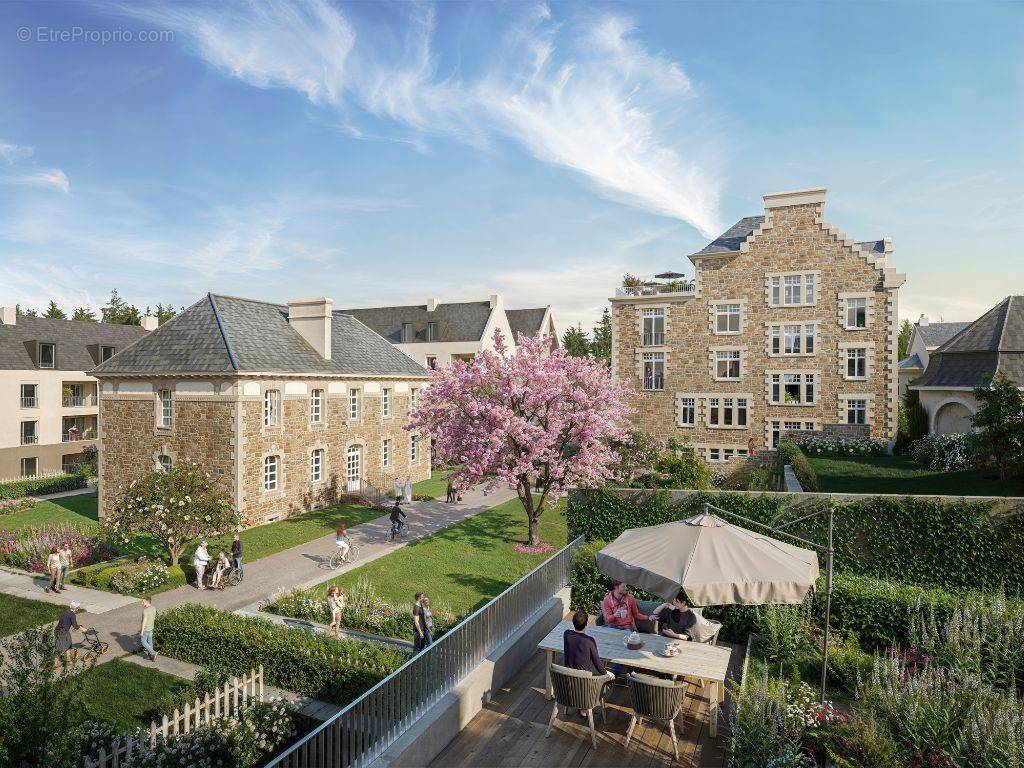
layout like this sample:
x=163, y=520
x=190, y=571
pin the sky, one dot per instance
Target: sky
x=385, y=153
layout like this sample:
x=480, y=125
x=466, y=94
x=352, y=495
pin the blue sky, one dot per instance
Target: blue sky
x=379, y=152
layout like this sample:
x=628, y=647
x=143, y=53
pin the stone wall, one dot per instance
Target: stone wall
x=792, y=240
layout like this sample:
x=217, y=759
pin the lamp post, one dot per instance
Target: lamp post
x=829, y=550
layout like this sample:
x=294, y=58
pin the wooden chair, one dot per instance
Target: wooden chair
x=656, y=699
x=577, y=689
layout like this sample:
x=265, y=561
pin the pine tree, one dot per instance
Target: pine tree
x=903, y=343
x=54, y=312
x=163, y=313
x=118, y=311
x=601, y=347
x=24, y=312
x=1000, y=424
x=84, y=314
x=575, y=342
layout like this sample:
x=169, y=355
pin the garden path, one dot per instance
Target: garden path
x=301, y=566
x=34, y=588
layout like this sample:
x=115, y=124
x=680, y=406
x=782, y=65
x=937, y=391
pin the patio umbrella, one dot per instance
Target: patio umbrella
x=716, y=562
x=669, y=275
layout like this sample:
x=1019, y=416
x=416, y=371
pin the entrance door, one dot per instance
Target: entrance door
x=352, y=464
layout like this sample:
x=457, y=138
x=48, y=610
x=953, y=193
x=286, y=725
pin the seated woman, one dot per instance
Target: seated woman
x=676, y=619
x=222, y=567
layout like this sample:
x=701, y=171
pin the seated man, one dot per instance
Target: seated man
x=619, y=608
x=677, y=620
x=580, y=649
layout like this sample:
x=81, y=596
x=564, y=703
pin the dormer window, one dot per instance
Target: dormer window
x=431, y=331
x=106, y=353
x=407, y=336
x=47, y=355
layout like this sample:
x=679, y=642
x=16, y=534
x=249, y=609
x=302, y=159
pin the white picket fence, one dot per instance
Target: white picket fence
x=224, y=702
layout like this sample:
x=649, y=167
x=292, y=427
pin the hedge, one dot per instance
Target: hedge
x=326, y=668
x=876, y=611
x=913, y=540
x=37, y=486
x=101, y=575
x=790, y=453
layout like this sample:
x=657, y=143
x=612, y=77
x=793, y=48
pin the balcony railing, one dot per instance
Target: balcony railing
x=654, y=383
x=682, y=288
x=74, y=437
x=29, y=439
x=654, y=339
x=29, y=402
x=362, y=731
x=79, y=401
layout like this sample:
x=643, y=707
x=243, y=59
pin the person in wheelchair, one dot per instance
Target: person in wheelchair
x=223, y=566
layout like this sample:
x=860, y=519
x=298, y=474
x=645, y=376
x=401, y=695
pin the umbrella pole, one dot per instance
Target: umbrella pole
x=828, y=606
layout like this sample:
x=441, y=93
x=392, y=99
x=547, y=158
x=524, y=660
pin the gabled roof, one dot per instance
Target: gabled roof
x=226, y=334
x=525, y=321
x=77, y=342
x=936, y=334
x=912, y=363
x=994, y=343
x=463, y=321
x=730, y=240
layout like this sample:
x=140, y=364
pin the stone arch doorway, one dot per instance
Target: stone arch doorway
x=952, y=417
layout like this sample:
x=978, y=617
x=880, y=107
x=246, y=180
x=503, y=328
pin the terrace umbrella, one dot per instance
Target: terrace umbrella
x=716, y=562
x=669, y=275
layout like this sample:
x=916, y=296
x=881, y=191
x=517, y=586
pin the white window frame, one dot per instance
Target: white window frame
x=858, y=358
x=271, y=473
x=655, y=380
x=854, y=406
x=649, y=319
x=354, y=406
x=165, y=462
x=53, y=355
x=792, y=289
x=24, y=464
x=385, y=452
x=728, y=356
x=778, y=381
x=385, y=403
x=728, y=311
x=316, y=406
x=850, y=307
x=165, y=400
x=414, y=448
x=316, y=465
x=414, y=399
x=686, y=411
x=802, y=332
x=728, y=411
x=272, y=408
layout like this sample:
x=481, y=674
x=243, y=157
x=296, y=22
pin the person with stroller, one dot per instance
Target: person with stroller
x=397, y=513
x=223, y=566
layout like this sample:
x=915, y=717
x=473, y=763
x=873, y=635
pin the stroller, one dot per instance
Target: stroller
x=92, y=645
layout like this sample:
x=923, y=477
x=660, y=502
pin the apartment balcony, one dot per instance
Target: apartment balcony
x=29, y=439
x=74, y=437
x=30, y=402
x=636, y=287
x=79, y=401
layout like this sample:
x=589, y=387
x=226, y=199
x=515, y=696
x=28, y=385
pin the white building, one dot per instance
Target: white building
x=925, y=338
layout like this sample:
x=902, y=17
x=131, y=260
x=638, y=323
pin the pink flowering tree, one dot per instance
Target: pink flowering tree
x=539, y=420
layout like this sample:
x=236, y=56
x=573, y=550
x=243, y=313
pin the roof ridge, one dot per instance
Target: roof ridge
x=1002, y=330
x=223, y=333
x=277, y=304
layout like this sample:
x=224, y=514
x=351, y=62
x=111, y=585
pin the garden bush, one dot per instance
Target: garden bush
x=28, y=548
x=139, y=578
x=102, y=575
x=790, y=453
x=943, y=453
x=327, y=668
x=913, y=540
x=846, y=446
x=7, y=506
x=37, y=486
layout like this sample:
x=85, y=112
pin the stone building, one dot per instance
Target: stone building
x=788, y=325
x=287, y=407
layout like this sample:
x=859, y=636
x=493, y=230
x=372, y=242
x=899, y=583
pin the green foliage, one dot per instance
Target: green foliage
x=913, y=540
x=861, y=743
x=84, y=315
x=323, y=667
x=103, y=575
x=162, y=313
x=38, y=486
x=678, y=467
x=1000, y=424
x=119, y=312
x=790, y=453
x=912, y=421
x=784, y=634
x=759, y=734
x=54, y=312
x=903, y=340
x=601, y=346
x=637, y=454
x=576, y=342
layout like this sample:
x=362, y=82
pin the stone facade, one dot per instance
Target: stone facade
x=218, y=423
x=793, y=244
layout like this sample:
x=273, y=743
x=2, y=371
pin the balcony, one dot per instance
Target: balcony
x=667, y=284
x=74, y=436
x=29, y=402
x=29, y=439
x=78, y=401
x=654, y=338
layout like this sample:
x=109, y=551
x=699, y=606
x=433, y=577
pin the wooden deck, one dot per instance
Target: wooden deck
x=509, y=731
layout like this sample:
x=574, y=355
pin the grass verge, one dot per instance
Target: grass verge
x=900, y=475
x=130, y=696
x=18, y=614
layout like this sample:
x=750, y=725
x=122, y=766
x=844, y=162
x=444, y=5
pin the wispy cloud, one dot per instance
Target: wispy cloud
x=581, y=93
x=54, y=178
x=12, y=153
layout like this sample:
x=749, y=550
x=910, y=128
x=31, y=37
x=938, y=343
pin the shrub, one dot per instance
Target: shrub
x=912, y=421
x=857, y=446
x=784, y=634
x=28, y=548
x=37, y=486
x=7, y=506
x=140, y=577
x=759, y=734
x=861, y=743
x=678, y=467
x=790, y=453
x=327, y=668
x=943, y=453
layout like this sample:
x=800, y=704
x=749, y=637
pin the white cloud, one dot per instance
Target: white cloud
x=55, y=178
x=12, y=153
x=579, y=94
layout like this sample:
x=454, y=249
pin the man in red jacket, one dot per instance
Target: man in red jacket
x=619, y=608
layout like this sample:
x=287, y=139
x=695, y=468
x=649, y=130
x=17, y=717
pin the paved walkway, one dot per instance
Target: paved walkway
x=89, y=488
x=300, y=566
x=34, y=588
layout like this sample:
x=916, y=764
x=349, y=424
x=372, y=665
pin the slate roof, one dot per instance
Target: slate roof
x=730, y=240
x=994, y=343
x=936, y=334
x=77, y=342
x=226, y=334
x=525, y=321
x=874, y=247
x=912, y=363
x=463, y=321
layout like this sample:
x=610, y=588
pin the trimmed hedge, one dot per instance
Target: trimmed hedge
x=101, y=575
x=912, y=540
x=327, y=668
x=38, y=486
x=790, y=453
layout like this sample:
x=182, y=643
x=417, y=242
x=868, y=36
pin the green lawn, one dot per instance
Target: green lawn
x=128, y=695
x=462, y=566
x=81, y=510
x=436, y=486
x=18, y=614
x=899, y=474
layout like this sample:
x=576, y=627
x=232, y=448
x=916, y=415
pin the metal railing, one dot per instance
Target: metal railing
x=29, y=439
x=657, y=289
x=654, y=339
x=29, y=402
x=74, y=437
x=79, y=401
x=363, y=730
x=654, y=383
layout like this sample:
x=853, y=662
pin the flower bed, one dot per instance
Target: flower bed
x=7, y=506
x=28, y=548
x=856, y=446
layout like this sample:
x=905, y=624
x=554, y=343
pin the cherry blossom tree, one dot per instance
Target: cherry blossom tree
x=539, y=420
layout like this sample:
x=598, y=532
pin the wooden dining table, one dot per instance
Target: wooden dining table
x=696, y=660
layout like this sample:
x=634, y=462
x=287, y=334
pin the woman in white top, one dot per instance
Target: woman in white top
x=408, y=490
x=336, y=602
x=53, y=568
x=220, y=570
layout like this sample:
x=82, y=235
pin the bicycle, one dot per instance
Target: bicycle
x=338, y=559
x=398, y=530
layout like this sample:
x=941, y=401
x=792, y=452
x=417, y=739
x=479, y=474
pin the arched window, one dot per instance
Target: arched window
x=270, y=471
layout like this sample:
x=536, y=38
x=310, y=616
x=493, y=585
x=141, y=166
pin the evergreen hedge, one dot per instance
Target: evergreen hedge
x=326, y=668
x=790, y=453
x=37, y=486
x=912, y=540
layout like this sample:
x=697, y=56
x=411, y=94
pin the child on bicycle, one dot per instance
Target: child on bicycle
x=341, y=541
x=396, y=517
x=222, y=567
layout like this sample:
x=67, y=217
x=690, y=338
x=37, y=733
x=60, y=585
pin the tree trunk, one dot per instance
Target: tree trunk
x=534, y=529
x=175, y=553
x=525, y=492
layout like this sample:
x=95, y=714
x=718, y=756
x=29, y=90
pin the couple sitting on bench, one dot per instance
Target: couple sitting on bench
x=620, y=610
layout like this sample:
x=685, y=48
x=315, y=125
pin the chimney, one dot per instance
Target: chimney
x=495, y=300
x=432, y=304
x=149, y=322
x=922, y=320
x=311, y=318
x=8, y=315
x=796, y=197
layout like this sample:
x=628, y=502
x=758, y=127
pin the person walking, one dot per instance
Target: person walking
x=146, y=628
x=53, y=569
x=199, y=562
x=450, y=499
x=62, y=635
x=236, y=554
x=419, y=627
x=428, y=621
x=408, y=490
x=398, y=487
x=336, y=602
x=66, y=560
